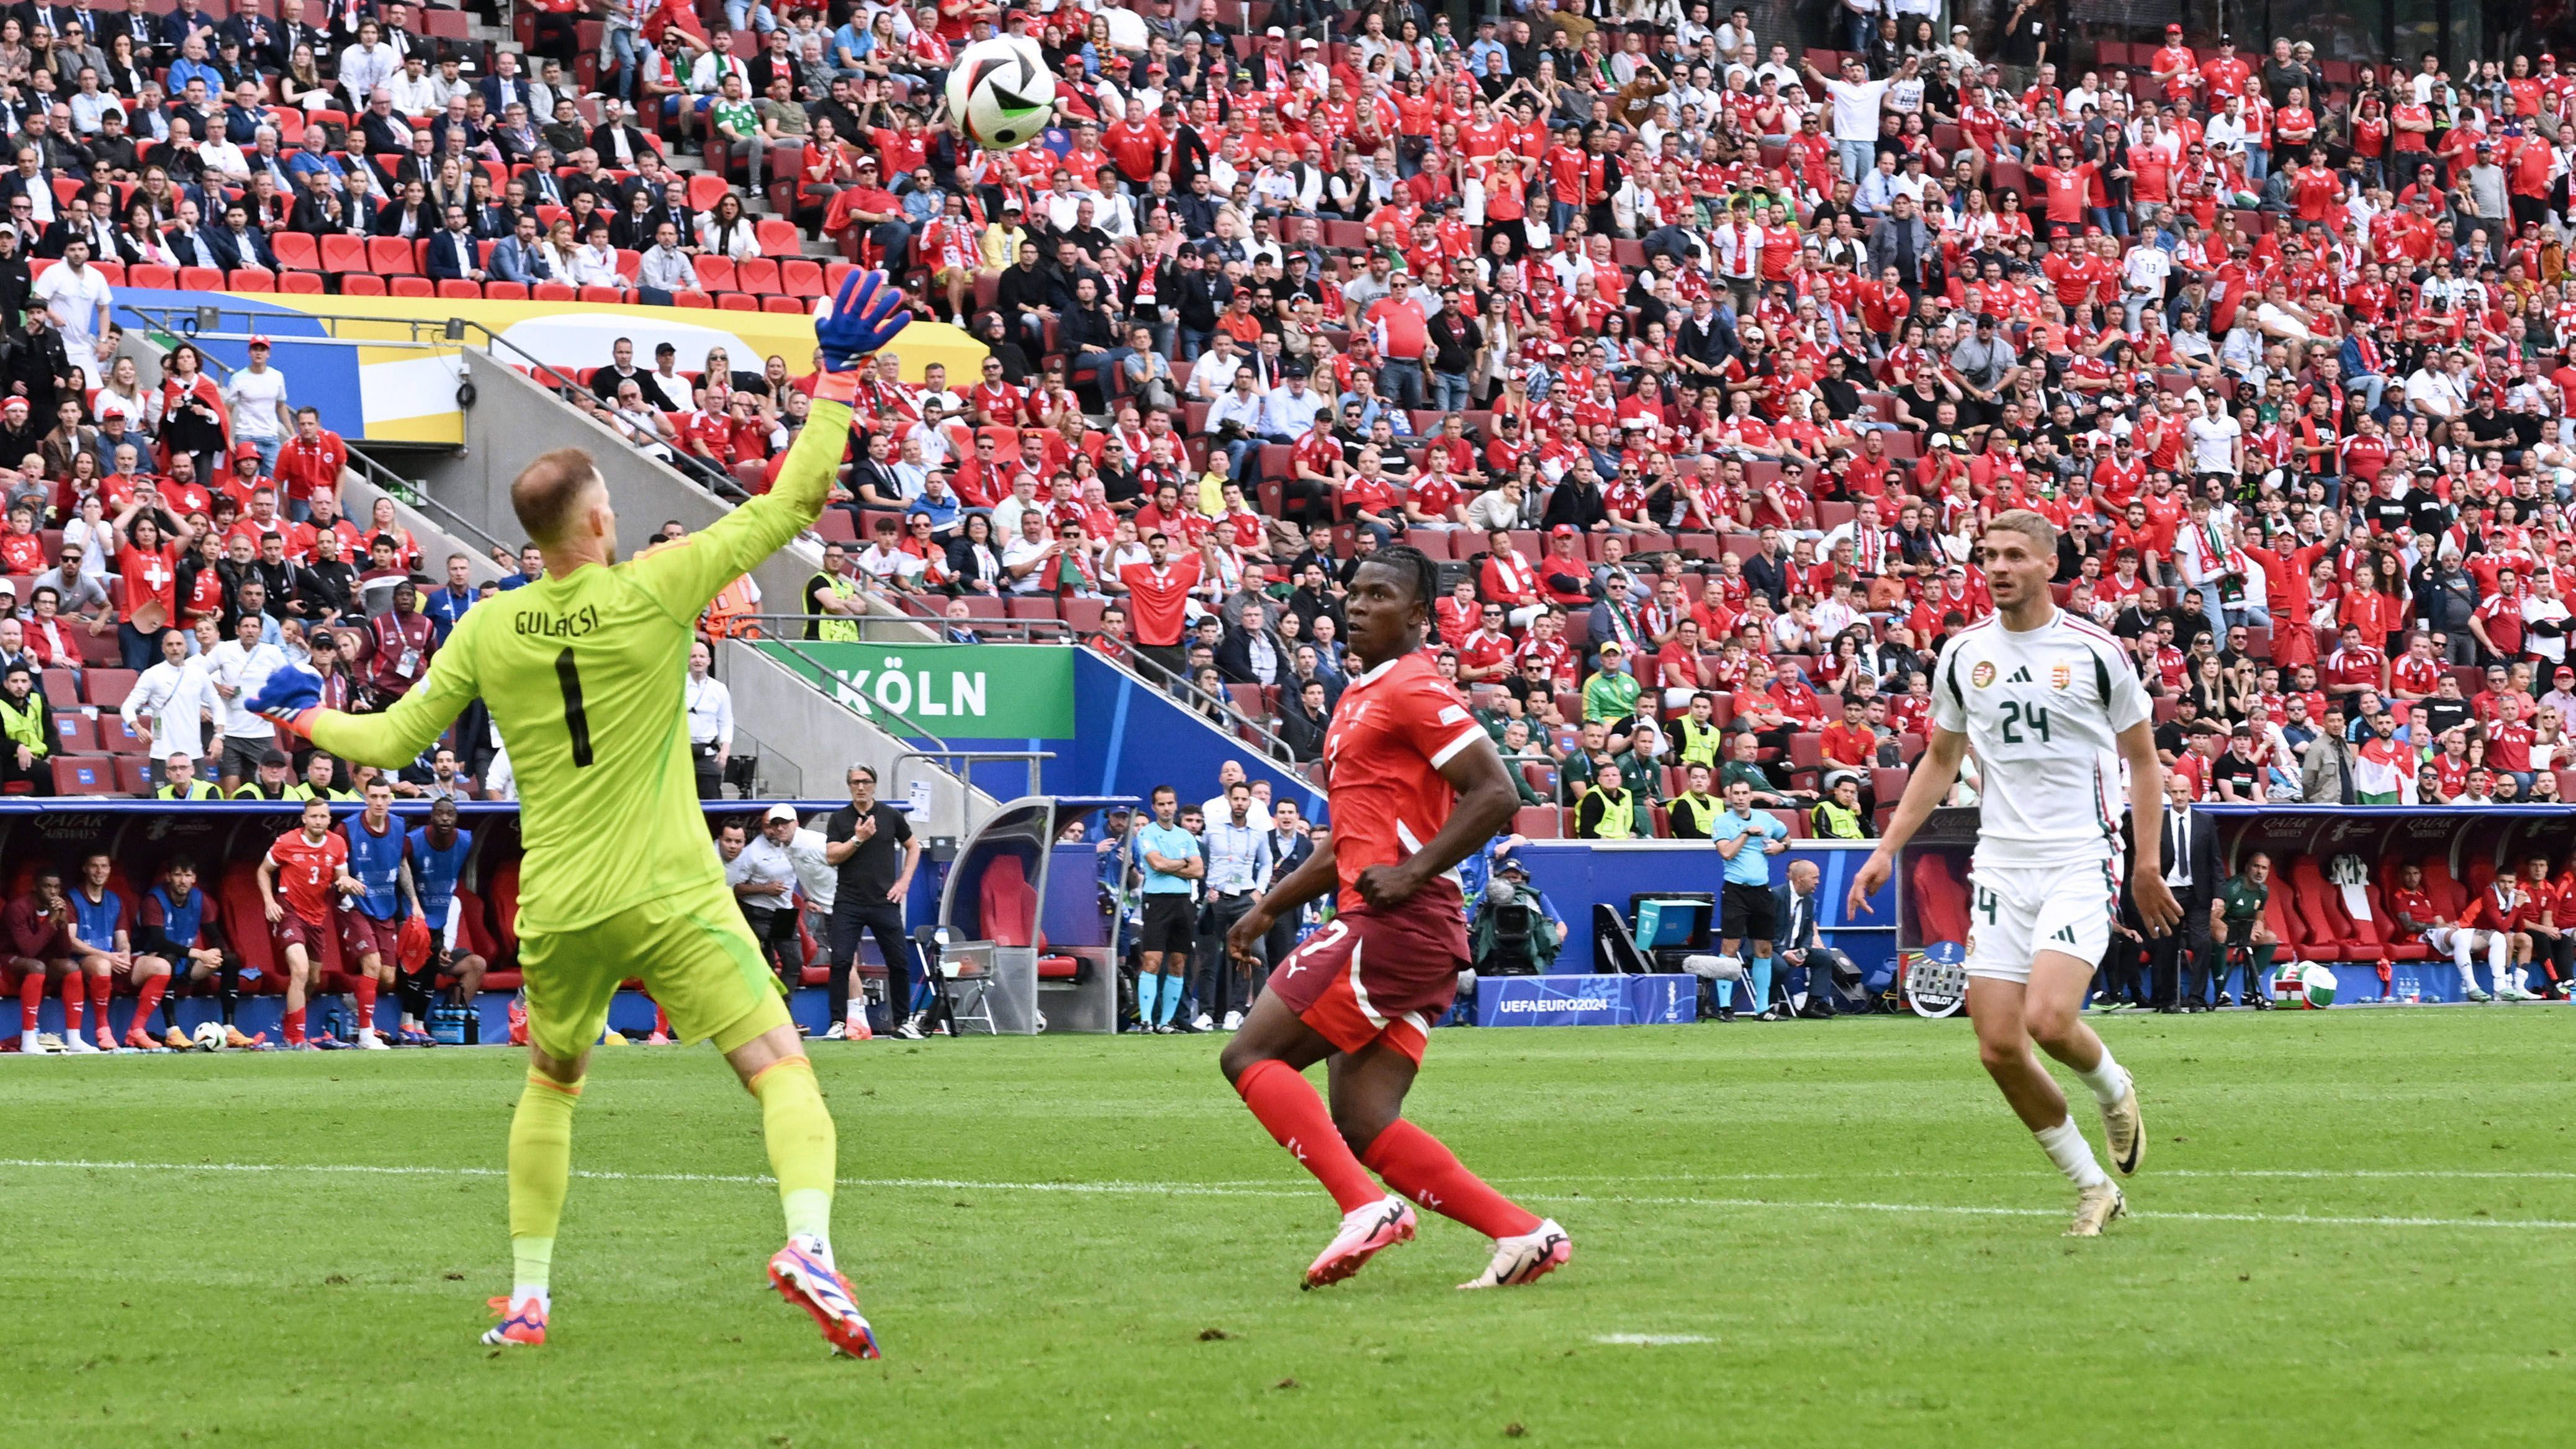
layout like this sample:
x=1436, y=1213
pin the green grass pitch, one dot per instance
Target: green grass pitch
x=2352, y=1228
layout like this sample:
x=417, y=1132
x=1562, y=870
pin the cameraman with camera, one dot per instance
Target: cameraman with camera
x=1516, y=932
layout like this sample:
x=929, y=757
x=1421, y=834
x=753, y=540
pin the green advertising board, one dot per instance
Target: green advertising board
x=974, y=691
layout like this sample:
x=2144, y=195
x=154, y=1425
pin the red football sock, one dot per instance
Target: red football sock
x=661, y=1019
x=294, y=1027
x=75, y=999
x=1414, y=1163
x=31, y=999
x=1286, y=1103
x=146, y=997
x=366, y=1003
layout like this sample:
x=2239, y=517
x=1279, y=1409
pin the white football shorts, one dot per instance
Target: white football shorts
x=2018, y=911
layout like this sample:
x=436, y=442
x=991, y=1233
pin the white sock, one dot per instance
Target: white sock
x=2460, y=960
x=522, y=1292
x=2066, y=1147
x=819, y=1247
x=2108, y=1079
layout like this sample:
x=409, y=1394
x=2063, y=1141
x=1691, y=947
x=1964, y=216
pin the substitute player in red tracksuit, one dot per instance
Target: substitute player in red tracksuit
x=1415, y=787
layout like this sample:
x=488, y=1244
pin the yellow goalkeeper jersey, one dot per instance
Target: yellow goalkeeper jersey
x=583, y=675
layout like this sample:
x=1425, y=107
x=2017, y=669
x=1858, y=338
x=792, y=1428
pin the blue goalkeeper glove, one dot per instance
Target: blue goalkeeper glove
x=288, y=696
x=867, y=315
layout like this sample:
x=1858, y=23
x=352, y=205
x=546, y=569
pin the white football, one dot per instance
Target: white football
x=209, y=1036
x=1000, y=93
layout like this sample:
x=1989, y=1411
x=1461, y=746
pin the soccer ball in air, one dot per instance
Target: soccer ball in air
x=209, y=1036
x=1000, y=93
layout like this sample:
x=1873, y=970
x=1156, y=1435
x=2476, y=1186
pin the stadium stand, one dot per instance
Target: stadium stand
x=1694, y=358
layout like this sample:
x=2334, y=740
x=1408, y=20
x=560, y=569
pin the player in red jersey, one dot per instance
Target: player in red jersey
x=1415, y=786
x=298, y=879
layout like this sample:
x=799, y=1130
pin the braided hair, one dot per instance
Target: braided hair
x=1426, y=584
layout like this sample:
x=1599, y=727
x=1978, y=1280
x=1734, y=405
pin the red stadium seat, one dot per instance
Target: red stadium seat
x=554, y=292
x=390, y=256
x=340, y=254
x=133, y=774
x=238, y=899
x=800, y=277
x=296, y=251
x=251, y=279
x=85, y=775
x=106, y=688
x=737, y=302
x=779, y=238
x=716, y=274
x=506, y=291
x=153, y=274
x=759, y=276
x=460, y=289
x=597, y=293
x=705, y=190
x=75, y=735
x=693, y=299
x=786, y=306
x=411, y=287
x=61, y=687
x=362, y=284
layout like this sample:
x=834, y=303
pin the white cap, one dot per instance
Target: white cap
x=779, y=812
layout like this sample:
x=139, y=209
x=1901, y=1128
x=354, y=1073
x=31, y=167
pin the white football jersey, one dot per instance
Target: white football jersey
x=2043, y=711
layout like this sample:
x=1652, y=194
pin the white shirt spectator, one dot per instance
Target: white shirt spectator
x=416, y=99
x=1856, y=107
x=363, y=68
x=814, y=876
x=1025, y=550
x=73, y=301
x=2213, y=443
x=667, y=268
x=889, y=566
x=763, y=862
x=709, y=705
x=256, y=396
x=243, y=671
x=172, y=703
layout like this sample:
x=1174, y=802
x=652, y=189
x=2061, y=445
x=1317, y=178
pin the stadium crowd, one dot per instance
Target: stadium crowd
x=1695, y=354
x=1698, y=366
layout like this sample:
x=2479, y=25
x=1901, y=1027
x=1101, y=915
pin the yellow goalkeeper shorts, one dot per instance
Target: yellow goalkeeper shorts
x=691, y=950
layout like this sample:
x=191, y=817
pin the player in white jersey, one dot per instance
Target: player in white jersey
x=2052, y=707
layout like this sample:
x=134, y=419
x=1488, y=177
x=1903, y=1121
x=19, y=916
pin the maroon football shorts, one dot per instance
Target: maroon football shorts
x=362, y=935
x=1379, y=975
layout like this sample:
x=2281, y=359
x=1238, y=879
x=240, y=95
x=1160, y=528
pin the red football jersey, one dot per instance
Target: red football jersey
x=2416, y=906
x=307, y=871
x=1395, y=727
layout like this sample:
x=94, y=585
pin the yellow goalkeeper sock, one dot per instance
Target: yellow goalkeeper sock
x=803, y=1148
x=540, y=1169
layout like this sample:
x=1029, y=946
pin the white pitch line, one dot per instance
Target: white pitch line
x=1161, y=1189
x=1651, y=1340
x=1901, y=1173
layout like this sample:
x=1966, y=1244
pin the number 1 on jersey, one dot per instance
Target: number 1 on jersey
x=576, y=722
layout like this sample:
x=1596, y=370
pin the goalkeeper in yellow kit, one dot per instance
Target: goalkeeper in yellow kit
x=582, y=672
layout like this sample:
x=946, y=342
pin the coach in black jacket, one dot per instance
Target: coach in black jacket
x=2178, y=962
